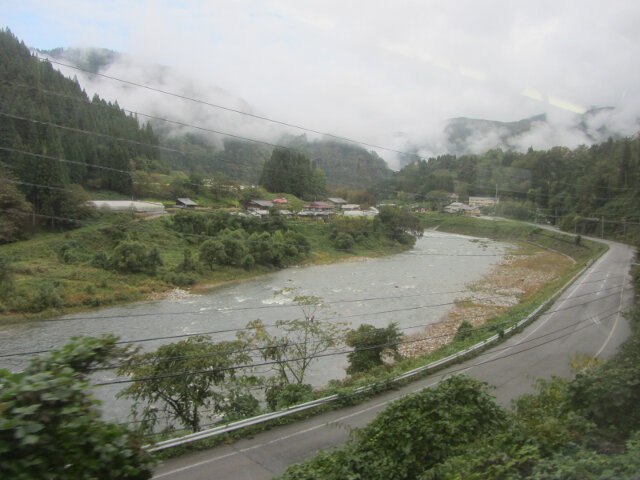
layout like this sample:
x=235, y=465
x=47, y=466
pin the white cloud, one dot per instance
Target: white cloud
x=369, y=70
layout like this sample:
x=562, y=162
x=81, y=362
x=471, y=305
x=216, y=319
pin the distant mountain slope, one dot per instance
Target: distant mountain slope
x=345, y=165
x=36, y=100
x=471, y=135
x=463, y=133
x=207, y=153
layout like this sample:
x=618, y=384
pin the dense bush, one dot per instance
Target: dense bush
x=50, y=426
x=135, y=257
x=370, y=343
x=411, y=435
x=343, y=241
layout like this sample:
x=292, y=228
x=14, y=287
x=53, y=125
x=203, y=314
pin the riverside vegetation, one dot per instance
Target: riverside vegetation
x=177, y=367
x=124, y=259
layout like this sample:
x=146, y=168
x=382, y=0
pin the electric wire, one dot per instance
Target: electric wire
x=238, y=367
x=230, y=330
x=233, y=110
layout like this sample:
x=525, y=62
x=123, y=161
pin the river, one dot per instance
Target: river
x=413, y=288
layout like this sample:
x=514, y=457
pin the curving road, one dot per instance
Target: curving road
x=586, y=319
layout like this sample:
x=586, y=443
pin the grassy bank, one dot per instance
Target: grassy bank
x=578, y=248
x=121, y=259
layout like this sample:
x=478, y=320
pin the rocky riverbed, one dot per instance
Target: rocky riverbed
x=512, y=280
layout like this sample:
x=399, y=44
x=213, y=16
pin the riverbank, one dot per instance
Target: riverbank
x=541, y=260
x=515, y=278
x=101, y=266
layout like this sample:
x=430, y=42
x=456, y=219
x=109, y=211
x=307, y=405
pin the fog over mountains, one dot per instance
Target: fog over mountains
x=428, y=138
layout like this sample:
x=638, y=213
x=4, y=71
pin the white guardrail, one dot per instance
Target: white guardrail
x=219, y=430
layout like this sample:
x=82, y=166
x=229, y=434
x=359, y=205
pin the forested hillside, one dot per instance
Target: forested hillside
x=345, y=165
x=240, y=161
x=581, y=189
x=55, y=141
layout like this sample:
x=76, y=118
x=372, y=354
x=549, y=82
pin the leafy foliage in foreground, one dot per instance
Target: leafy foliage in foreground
x=586, y=428
x=183, y=380
x=50, y=426
x=411, y=434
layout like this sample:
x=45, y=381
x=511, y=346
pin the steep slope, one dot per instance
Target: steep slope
x=68, y=138
x=200, y=149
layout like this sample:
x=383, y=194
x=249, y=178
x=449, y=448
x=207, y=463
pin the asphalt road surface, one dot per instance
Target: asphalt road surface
x=586, y=319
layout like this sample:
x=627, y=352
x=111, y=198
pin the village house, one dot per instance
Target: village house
x=483, y=201
x=185, y=203
x=348, y=207
x=322, y=207
x=337, y=202
x=369, y=213
x=463, y=208
x=259, y=208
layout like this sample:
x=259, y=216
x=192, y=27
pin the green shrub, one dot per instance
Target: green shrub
x=100, y=260
x=68, y=253
x=465, y=330
x=179, y=279
x=293, y=394
x=133, y=257
x=6, y=277
x=370, y=343
x=212, y=253
x=50, y=425
x=343, y=241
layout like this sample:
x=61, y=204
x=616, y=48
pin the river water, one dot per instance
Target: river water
x=414, y=288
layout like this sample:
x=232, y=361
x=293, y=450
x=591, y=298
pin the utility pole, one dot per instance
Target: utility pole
x=602, y=229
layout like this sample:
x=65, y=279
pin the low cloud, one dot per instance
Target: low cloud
x=384, y=74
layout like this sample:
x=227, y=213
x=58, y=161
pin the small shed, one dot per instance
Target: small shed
x=186, y=203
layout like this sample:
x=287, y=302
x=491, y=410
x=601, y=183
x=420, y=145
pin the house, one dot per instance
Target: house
x=151, y=208
x=370, y=213
x=280, y=202
x=458, y=207
x=320, y=207
x=349, y=207
x=259, y=205
x=285, y=213
x=454, y=197
x=185, y=203
x=337, y=202
x=483, y=201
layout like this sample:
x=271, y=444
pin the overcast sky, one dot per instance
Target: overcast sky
x=382, y=72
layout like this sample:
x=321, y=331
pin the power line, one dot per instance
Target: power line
x=237, y=163
x=73, y=162
x=162, y=119
x=259, y=117
x=288, y=344
x=238, y=367
x=165, y=232
x=505, y=348
x=230, y=330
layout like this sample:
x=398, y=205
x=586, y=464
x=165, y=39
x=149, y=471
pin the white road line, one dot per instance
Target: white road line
x=254, y=447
